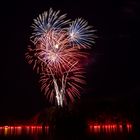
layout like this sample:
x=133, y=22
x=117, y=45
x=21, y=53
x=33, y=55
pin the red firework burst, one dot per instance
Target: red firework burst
x=71, y=81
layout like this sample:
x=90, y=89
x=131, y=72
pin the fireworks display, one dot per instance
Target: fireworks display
x=57, y=53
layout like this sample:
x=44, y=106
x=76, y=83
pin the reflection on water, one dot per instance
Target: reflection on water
x=23, y=130
x=109, y=128
x=48, y=133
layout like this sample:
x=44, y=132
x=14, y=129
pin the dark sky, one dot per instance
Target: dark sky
x=114, y=69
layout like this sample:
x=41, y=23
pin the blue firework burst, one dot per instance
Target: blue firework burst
x=80, y=34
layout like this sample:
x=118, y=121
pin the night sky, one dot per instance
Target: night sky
x=113, y=72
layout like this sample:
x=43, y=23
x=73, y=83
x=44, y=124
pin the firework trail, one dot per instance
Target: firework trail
x=67, y=85
x=56, y=54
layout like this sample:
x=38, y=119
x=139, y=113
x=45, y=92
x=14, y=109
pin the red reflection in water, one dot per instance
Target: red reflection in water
x=109, y=128
x=129, y=127
x=18, y=130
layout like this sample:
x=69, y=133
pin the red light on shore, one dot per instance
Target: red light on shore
x=120, y=126
x=46, y=127
x=18, y=130
x=97, y=128
x=109, y=128
x=129, y=127
x=91, y=127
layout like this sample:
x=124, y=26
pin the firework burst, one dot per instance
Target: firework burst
x=70, y=83
x=56, y=55
x=80, y=34
x=47, y=21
